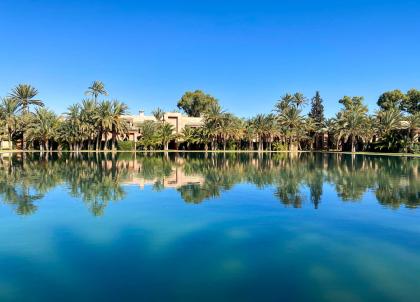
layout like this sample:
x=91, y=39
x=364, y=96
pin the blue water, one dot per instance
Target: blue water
x=196, y=227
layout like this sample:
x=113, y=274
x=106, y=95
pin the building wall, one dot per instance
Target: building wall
x=176, y=119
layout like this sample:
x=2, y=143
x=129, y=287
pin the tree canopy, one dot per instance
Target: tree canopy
x=196, y=103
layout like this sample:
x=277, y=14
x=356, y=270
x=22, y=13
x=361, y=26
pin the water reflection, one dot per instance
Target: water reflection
x=98, y=179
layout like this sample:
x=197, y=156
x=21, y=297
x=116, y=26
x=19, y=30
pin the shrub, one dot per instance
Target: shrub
x=125, y=145
x=278, y=146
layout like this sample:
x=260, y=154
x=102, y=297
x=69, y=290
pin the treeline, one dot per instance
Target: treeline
x=297, y=178
x=98, y=124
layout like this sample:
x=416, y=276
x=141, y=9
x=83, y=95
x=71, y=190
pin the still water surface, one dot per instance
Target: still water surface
x=209, y=227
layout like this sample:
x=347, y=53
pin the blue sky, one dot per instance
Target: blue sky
x=245, y=53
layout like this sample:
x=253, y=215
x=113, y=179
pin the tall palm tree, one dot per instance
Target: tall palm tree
x=299, y=99
x=97, y=88
x=353, y=124
x=71, y=130
x=119, y=125
x=230, y=128
x=87, y=121
x=284, y=103
x=24, y=94
x=212, y=121
x=103, y=121
x=9, y=110
x=292, y=125
x=258, y=124
x=249, y=133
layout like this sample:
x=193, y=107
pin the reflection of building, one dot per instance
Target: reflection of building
x=176, y=119
x=136, y=172
x=4, y=145
x=176, y=179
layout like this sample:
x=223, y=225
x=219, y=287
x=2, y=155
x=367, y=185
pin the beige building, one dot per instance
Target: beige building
x=176, y=119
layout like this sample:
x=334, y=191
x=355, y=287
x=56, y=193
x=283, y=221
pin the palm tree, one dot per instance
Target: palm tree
x=119, y=125
x=188, y=135
x=352, y=123
x=159, y=114
x=148, y=131
x=97, y=88
x=249, y=133
x=43, y=127
x=9, y=109
x=299, y=99
x=259, y=126
x=71, y=128
x=388, y=120
x=166, y=134
x=292, y=126
x=412, y=122
x=212, y=120
x=230, y=128
x=87, y=122
x=24, y=94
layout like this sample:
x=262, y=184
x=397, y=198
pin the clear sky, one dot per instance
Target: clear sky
x=245, y=53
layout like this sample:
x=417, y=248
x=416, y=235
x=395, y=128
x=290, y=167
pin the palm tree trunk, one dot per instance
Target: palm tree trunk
x=106, y=141
x=10, y=141
x=353, y=145
x=260, y=144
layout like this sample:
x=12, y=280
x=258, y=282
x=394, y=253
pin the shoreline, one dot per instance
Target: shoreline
x=217, y=151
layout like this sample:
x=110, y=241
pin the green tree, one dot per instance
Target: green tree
x=196, y=103
x=97, y=88
x=352, y=122
x=24, y=94
x=166, y=134
x=411, y=103
x=317, y=110
x=391, y=99
x=148, y=131
x=43, y=128
x=119, y=125
x=9, y=110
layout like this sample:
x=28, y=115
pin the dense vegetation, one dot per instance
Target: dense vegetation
x=297, y=178
x=98, y=124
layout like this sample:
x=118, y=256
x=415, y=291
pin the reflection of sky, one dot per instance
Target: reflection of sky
x=342, y=251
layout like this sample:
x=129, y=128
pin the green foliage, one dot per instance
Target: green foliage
x=24, y=95
x=196, y=103
x=125, y=145
x=279, y=146
x=391, y=99
x=97, y=88
x=411, y=103
x=317, y=110
x=93, y=124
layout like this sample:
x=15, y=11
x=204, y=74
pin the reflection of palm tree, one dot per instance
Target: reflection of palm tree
x=97, y=179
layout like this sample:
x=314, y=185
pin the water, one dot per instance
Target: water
x=196, y=227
